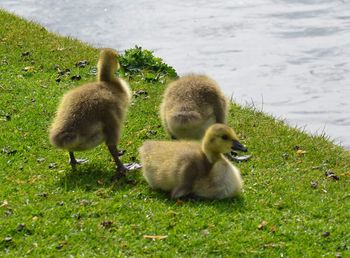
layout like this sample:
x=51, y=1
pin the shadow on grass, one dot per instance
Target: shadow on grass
x=223, y=206
x=90, y=177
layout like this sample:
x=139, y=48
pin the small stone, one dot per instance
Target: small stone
x=8, y=239
x=82, y=63
x=77, y=216
x=8, y=212
x=152, y=132
x=59, y=71
x=93, y=71
x=44, y=195
x=296, y=147
x=8, y=151
x=205, y=232
x=21, y=227
x=330, y=174
x=338, y=255
x=26, y=53
x=141, y=92
x=75, y=78
x=61, y=244
x=52, y=165
x=314, y=184
x=326, y=234
x=40, y=160
x=85, y=202
x=262, y=224
x=106, y=224
x=28, y=69
x=285, y=155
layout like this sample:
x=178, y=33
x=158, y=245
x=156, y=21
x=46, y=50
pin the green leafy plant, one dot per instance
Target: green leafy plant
x=138, y=62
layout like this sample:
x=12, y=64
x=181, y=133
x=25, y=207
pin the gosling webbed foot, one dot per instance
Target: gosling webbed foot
x=78, y=161
x=73, y=161
x=132, y=166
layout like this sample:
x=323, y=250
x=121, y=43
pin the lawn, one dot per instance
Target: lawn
x=289, y=207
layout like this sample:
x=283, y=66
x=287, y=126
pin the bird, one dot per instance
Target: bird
x=191, y=167
x=93, y=113
x=190, y=105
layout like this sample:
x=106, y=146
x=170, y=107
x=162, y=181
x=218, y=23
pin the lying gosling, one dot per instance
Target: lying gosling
x=190, y=167
x=93, y=113
x=190, y=105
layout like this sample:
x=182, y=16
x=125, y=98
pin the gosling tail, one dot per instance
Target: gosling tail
x=63, y=140
x=185, y=117
x=107, y=65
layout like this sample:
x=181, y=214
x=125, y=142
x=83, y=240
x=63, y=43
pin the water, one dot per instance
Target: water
x=290, y=58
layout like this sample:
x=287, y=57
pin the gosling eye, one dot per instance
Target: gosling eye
x=224, y=137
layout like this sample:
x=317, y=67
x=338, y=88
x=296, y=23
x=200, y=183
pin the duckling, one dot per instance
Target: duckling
x=190, y=105
x=93, y=113
x=190, y=167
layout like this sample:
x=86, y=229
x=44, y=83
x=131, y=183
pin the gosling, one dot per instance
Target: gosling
x=190, y=105
x=190, y=167
x=93, y=113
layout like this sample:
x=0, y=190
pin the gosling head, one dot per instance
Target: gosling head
x=220, y=138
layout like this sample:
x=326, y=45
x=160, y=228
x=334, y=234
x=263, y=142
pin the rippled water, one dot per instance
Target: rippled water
x=291, y=58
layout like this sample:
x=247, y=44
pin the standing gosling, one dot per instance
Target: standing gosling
x=184, y=167
x=93, y=113
x=190, y=105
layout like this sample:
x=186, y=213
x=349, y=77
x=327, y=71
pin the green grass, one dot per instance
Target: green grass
x=49, y=210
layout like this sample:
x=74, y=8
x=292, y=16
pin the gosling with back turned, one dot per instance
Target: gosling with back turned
x=190, y=167
x=190, y=105
x=93, y=113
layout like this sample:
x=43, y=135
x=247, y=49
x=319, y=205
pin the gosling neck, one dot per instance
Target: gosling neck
x=105, y=71
x=211, y=155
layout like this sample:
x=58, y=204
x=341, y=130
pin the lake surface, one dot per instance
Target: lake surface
x=289, y=58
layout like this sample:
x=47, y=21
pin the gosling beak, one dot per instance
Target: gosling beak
x=236, y=145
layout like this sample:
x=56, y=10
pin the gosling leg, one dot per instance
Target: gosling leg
x=121, y=169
